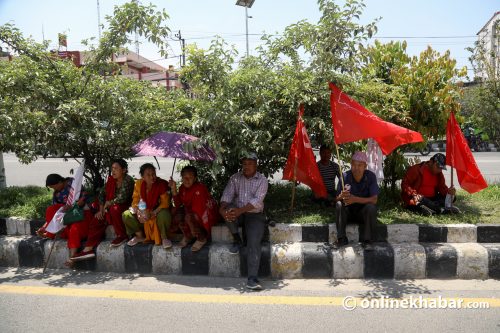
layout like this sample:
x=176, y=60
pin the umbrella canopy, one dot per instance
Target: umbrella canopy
x=174, y=145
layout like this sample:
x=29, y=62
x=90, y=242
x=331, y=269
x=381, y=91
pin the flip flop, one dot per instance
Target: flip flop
x=184, y=242
x=198, y=245
x=69, y=264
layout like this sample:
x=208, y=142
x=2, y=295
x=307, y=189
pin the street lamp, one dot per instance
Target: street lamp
x=247, y=4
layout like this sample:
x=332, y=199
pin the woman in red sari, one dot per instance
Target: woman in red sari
x=196, y=210
x=76, y=232
x=115, y=199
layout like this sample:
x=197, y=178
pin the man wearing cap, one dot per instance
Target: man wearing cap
x=423, y=188
x=356, y=202
x=242, y=204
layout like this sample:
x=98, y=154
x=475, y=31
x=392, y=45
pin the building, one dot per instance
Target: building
x=134, y=66
x=137, y=67
x=489, y=38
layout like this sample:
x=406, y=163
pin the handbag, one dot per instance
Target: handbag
x=73, y=215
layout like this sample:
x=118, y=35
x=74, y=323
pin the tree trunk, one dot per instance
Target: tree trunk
x=3, y=179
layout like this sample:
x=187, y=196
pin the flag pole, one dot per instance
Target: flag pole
x=294, y=183
x=50, y=252
x=340, y=164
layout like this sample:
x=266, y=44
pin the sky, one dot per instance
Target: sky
x=443, y=24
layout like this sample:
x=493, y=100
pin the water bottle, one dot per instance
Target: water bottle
x=448, y=201
x=142, y=207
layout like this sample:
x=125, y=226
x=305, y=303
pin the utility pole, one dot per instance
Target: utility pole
x=137, y=38
x=182, y=58
x=247, y=4
x=99, y=19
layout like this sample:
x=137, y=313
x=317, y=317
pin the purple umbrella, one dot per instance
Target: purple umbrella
x=176, y=145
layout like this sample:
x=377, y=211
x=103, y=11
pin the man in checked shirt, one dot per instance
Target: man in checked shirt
x=242, y=204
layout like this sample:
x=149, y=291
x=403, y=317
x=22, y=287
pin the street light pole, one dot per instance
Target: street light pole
x=247, y=4
x=246, y=24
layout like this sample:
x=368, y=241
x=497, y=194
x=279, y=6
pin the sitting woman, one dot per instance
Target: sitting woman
x=196, y=211
x=115, y=199
x=74, y=232
x=151, y=222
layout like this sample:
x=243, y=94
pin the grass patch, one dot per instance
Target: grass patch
x=27, y=202
x=482, y=207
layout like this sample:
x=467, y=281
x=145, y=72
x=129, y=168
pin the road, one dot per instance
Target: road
x=63, y=301
x=18, y=174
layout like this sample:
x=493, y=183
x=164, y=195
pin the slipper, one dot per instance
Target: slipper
x=184, y=242
x=198, y=245
x=69, y=264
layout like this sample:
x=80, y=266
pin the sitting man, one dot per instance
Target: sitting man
x=242, y=204
x=423, y=188
x=329, y=170
x=356, y=203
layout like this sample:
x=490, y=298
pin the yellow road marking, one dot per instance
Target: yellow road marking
x=201, y=298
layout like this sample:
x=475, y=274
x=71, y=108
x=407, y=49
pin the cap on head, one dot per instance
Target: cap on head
x=360, y=157
x=250, y=156
x=440, y=160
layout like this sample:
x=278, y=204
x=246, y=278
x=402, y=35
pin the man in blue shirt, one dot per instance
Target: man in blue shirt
x=356, y=203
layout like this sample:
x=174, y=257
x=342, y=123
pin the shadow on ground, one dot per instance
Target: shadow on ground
x=394, y=288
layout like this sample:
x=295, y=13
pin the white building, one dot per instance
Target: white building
x=489, y=37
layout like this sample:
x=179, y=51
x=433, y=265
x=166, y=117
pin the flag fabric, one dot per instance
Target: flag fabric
x=459, y=156
x=56, y=224
x=63, y=40
x=302, y=156
x=375, y=159
x=352, y=122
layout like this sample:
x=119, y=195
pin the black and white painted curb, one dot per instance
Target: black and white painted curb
x=393, y=233
x=285, y=233
x=292, y=251
x=287, y=260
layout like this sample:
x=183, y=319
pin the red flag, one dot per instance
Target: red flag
x=459, y=156
x=302, y=156
x=352, y=122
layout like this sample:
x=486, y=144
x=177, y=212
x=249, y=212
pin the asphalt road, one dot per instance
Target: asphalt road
x=88, y=301
x=18, y=174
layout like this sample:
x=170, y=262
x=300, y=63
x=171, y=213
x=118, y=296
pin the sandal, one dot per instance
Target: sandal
x=40, y=232
x=69, y=264
x=184, y=242
x=198, y=245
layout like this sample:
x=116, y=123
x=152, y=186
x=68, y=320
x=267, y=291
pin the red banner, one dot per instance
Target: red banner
x=352, y=122
x=301, y=164
x=459, y=156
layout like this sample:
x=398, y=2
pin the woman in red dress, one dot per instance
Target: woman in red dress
x=75, y=233
x=115, y=199
x=196, y=210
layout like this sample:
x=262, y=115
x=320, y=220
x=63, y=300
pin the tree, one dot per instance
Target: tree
x=48, y=104
x=252, y=105
x=415, y=92
x=481, y=101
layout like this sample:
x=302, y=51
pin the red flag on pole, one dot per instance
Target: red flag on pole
x=352, y=122
x=459, y=156
x=301, y=164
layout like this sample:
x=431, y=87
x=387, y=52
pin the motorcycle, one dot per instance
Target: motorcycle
x=476, y=143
